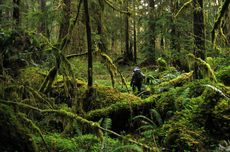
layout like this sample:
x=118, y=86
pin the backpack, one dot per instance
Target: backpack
x=137, y=77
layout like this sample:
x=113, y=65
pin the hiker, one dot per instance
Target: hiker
x=137, y=79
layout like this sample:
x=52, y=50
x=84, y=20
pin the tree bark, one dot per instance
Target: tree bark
x=65, y=20
x=89, y=41
x=16, y=12
x=128, y=56
x=1, y=11
x=152, y=37
x=199, y=35
x=175, y=45
x=102, y=42
x=134, y=34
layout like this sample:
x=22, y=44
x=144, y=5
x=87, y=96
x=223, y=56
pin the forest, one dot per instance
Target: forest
x=114, y=75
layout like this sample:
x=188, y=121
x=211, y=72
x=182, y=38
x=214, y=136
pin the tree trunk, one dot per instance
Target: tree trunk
x=43, y=23
x=102, y=42
x=175, y=44
x=152, y=37
x=16, y=12
x=65, y=20
x=89, y=41
x=1, y=11
x=128, y=56
x=134, y=34
x=199, y=35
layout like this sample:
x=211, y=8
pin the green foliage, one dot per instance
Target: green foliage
x=162, y=64
x=224, y=75
x=56, y=143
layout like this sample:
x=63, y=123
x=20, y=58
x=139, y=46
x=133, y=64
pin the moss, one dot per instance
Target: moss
x=224, y=76
x=57, y=143
x=180, y=138
x=33, y=76
x=105, y=96
x=13, y=135
x=178, y=81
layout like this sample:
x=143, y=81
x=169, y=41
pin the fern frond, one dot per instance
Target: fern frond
x=156, y=116
x=217, y=90
x=144, y=118
x=146, y=127
x=107, y=123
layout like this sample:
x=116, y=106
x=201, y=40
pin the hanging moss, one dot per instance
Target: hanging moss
x=13, y=137
x=204, y=66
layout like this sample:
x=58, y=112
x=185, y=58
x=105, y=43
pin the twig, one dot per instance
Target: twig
x=185, y=4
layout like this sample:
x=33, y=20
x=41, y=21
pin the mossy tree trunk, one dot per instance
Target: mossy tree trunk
x=89, y=42
x=64, y=27
x=128, y=55
x=199, y=35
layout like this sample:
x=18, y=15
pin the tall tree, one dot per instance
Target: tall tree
x=89, y=42
x=199, y=35
x=175, y=45
x=16, y=12
x=1, y=2
x=134, y=34
x=152, y=37
x=65, y=19
x=100, y=29
x=128, y=56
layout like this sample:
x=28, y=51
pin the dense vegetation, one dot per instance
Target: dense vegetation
x=66, y=67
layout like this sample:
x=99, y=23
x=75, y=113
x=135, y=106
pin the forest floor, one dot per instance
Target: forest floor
x=176, y=112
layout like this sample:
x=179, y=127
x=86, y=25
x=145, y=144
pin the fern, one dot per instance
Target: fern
x=156, y=116
x=107, y=124
x=217, y=90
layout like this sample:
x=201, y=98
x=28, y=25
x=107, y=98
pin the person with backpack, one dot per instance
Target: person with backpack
x=137, y=79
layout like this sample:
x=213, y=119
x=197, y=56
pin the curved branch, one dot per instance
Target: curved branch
x=185, y=4
x=115, y=8
x=217, y=23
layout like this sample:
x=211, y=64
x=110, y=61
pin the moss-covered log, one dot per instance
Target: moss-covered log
x=121, y=112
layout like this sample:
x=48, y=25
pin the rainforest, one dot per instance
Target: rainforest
x=115, y=75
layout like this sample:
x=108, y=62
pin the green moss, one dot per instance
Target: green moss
x=14, y=137
x=33, y=76
x=224, y=75
x=104, y=97
x=57, y=143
